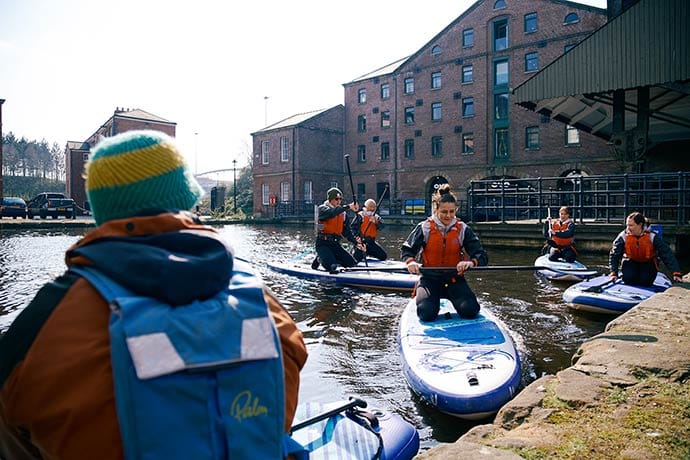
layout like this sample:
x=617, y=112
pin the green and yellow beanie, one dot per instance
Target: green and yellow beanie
x=138, y=171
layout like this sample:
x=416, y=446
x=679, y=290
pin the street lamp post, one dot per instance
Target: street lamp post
x=234, y=186
x=2, y=101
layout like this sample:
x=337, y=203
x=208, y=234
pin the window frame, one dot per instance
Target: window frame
x=408, y=85
x=498, y=25
x=571, y=18
x=437, y=146
x=362, y=123
x=468, y=143
x=532, y=138
x=465, y=73
x=506, y=138
x=409, y=115
x=284, y=192
x=436, y=50
x=361, y=153
x=265, y=194
x=497, y=63
x=385, y=91
x=265, y=152
x=499, y=106
x=308, y=191
x=362, y=96
x=576, y=137
x=467, y=107
x=284, y=149
x=529, y=19
x=531, y=58
x=385, y=151
x=436, y=111
x=436, y=81
x=468, y=38
x=386, y=119
x=409, y=149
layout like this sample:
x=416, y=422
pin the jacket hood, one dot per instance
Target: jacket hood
x=175, y=267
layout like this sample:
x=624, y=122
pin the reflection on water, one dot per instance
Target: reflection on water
x=351, y=334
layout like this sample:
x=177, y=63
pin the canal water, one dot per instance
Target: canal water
x=351, y=333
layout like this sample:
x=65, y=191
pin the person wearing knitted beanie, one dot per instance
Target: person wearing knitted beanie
x=58, y=373
x=138, y=172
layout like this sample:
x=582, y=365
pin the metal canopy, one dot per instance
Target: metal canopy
x=646, y=47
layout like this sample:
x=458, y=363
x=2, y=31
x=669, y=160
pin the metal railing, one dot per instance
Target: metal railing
x=662, y=197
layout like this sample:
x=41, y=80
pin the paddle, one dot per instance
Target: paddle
x=353, y=402
x=349, y=173
x=598, y=287
x=452, y=269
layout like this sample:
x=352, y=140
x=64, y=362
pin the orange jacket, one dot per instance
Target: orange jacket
x=563, y=232
x=444, y=250
x=368, y=227
x=640, y=248
x=61, y=392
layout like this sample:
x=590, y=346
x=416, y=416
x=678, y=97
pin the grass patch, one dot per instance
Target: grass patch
x=648, y=420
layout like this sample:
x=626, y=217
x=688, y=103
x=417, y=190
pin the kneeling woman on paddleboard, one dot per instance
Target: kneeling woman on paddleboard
x=443, y=241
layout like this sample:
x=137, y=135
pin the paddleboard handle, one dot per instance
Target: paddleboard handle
x=353, y=402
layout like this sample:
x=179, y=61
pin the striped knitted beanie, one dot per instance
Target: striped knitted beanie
x=138, y=171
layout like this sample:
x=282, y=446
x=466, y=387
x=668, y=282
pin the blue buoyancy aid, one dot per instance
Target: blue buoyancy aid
x=202, y=380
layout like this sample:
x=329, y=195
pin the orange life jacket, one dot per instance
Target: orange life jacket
x=640, y=248
x=333, y=226
x=368, y=226
x=441, y=251
x=558, y=226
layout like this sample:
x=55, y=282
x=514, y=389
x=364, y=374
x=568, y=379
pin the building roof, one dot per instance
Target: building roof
x=293, y=120
x=385, y=70
x=647, y=46
x=76, y=145
x=139, y=115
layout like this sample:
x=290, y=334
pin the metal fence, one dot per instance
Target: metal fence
x=662, y=197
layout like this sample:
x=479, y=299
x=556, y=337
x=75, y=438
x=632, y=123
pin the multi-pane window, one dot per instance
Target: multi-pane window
x=265, y=194
x=308, y=191
x=436, y=146
x=531, y=62
x=571, y=18
x=385, y=151
x=284, y=149
x=385, y=119
x=435, y=50
x=501, y=144
x=361, y=153
x=362, y=96
x=499, y=4
x=530, y=22
x=467, y=76
x=500, y=30
x=409, y=115
x=501, y=72
x=409, y=85
x=409, y=148
x=468, y=107
x=468, y=143
x=501, y=105
x=436, y=112
x=385, y=91
x=265, y=146
x=284, y=191
x=361, y=123
x=532, y=137
x=468, y=38
x=435, y=80
x=572, y=135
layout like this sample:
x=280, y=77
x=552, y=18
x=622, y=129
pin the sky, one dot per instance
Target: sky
x=219, y=69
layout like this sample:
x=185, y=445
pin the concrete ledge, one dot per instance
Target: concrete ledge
x=625, y=396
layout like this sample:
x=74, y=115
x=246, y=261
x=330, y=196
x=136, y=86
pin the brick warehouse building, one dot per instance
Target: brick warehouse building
x=295, y=158
x=77, y=153
x=445, y=113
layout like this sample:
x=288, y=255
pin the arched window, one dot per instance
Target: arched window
x=499, y=4
x=571, y=18
x=436, y=50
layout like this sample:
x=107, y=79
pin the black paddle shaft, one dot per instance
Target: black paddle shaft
x=352, y=184
x=353, y=402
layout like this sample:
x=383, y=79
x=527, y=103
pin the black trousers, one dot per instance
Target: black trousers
x=373, y=250
x=639, y=273
x=562, y=252
x=431, y=290
x=331, y=253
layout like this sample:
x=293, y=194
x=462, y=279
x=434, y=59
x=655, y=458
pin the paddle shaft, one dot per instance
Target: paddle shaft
x=352, y=184
x=453, y=269
x=354, y=402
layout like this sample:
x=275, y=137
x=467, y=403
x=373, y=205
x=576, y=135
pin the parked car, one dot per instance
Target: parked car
x=13, y=206
x=51, y=204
